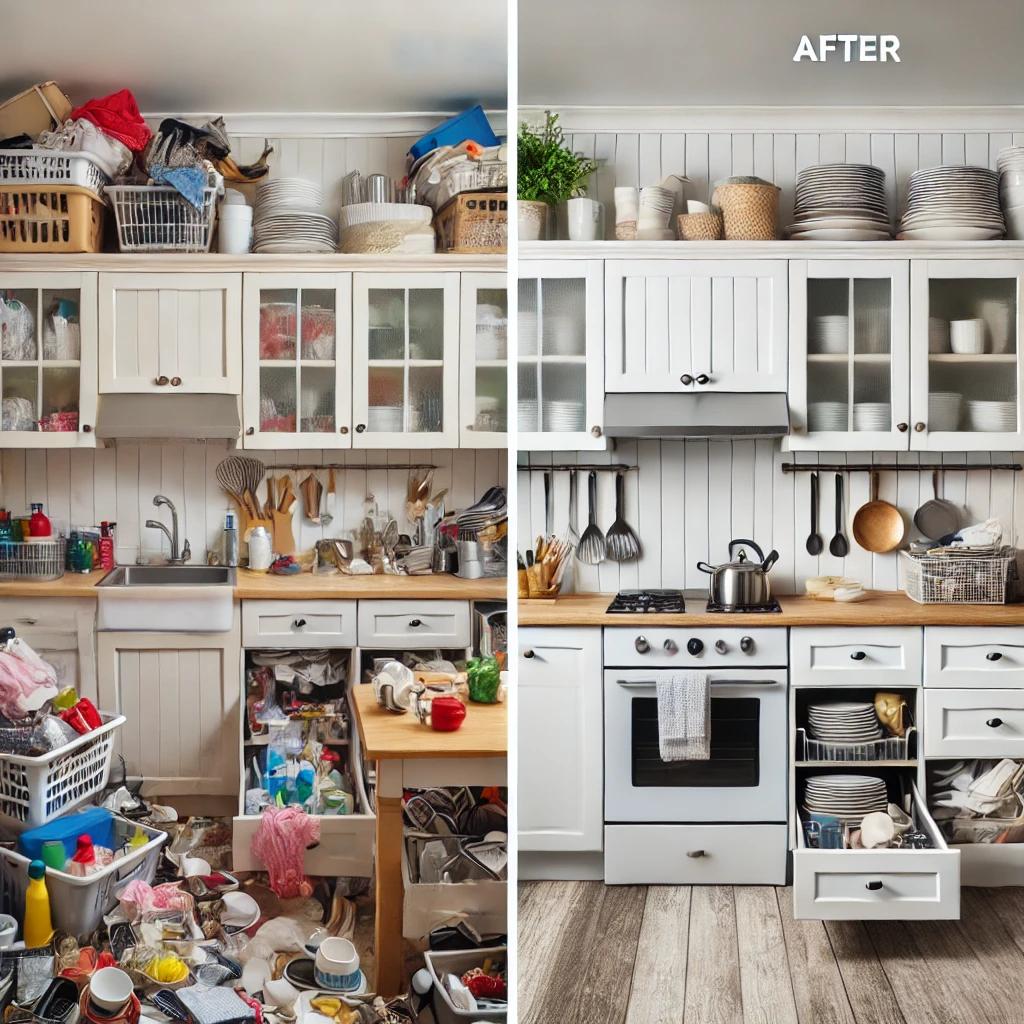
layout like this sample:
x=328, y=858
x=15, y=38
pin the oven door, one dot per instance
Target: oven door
x=745, y=777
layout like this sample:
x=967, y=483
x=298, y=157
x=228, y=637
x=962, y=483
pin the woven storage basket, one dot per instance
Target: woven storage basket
x=50, y=218
x=473, y=222
x=700, y=227
x=750, y=212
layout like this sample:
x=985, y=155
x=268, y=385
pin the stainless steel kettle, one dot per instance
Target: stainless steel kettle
x=741, y=583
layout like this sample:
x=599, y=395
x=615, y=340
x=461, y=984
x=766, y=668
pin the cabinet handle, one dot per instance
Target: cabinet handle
x=529, y=654
x=162, y=381
x=342, y=430
x=994, y=655
x=596, y=431
x=703, y=378
x=175, y=382
x=415, y=623
x=873, y=886
x=469, y=426
x=858, y=655
x=86, y=428
x=902, y=427
x=360, y=427
x=299, y=624
x=250, y=431
x=919, y=426
x=994, y=723
x=26, y=622
x=695, y=853
x=686, y=379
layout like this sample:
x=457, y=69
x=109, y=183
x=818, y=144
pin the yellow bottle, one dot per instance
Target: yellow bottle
x=139, y=839
x=38, y=925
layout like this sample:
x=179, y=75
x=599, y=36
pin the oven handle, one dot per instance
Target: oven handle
x=631, y=684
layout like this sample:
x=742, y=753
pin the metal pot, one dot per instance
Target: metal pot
x=741, y=583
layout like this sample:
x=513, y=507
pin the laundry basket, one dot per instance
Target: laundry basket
x=157, y=218
x=51, y=167
x=35, y=790
x=50, y=218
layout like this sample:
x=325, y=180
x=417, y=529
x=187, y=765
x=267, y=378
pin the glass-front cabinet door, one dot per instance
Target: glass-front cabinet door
x=560, y=356
x=48, y=360
x=966, y=370
x=405, y=360
x=298, y=360
x=483, y=360
x=849, y=355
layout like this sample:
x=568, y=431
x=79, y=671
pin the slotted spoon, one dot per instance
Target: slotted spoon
x=622, y=542
x=592, y=549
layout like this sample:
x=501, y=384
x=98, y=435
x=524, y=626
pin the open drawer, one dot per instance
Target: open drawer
x=878, y=885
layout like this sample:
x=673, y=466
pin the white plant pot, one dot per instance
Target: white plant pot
x=532, y=218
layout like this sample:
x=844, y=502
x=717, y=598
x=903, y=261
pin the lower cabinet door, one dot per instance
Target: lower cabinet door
x=695, y=854
x=878, y=885
x=973, y=723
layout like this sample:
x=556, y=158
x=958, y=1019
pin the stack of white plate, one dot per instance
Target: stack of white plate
x=823, y=416
x=938, y=334
x=842, y=203
x=830, y=334
x=944, y=410
x=847, y=797
x=385, y=419
x=1011, y=189
x=844, y=721
x=563, y=335
x=527, y=333
x=563, y=416
x=527, y=415
x=952, y=204
x=289, y=218
x=872, y=416
x=992, y=417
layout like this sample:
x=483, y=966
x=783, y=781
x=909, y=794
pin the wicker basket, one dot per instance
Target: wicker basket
x=50, y=218
x=750, y=212
x=473, y=222
x=700, y=227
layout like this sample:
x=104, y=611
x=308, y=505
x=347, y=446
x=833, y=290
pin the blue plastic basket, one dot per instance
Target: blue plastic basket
x=470, y=124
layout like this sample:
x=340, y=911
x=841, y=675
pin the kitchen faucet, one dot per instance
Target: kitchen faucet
x=172, y=533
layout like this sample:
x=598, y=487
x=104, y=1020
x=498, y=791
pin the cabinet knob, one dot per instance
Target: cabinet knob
x=469, y=426
x=858, y=655
x=529, y=654
x=250, y=431
x=342, y=430
x=86, y=428
x=873, y=886
x=695, y=853
x=686, y=379
x=994, y=723
x=746, y=644
x=596, y=431
x=994, y=655
x=175, y=382
x=360, y=427
x=415, y=623
x=299, y=624
x=902, y=427
x=642, y=645
x=703, y=378
x=919, y=426
x=162, y=381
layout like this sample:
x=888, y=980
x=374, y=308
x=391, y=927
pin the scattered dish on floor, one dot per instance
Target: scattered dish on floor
x=300, y=973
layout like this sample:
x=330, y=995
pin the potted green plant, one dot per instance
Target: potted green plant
x=549, y=173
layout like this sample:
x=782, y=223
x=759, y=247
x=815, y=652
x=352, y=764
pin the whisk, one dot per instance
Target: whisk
x=591, y=548
x=623, y=543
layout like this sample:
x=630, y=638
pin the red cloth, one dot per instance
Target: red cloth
x=118, y=116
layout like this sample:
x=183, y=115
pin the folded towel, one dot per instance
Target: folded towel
x=684, y=717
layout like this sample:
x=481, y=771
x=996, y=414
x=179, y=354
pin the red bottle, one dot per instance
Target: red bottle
x=39, y=524
x=106, y=545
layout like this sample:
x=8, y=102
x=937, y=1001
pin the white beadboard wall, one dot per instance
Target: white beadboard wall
x=81, y=488
x=688, y=499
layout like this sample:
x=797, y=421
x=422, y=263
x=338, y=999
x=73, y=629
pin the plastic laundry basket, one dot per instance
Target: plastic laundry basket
x=35, y=790
x=78, y=904
x=439, y=964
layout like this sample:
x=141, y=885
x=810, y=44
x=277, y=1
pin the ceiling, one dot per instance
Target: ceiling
x=739, y=52
x=265, y=56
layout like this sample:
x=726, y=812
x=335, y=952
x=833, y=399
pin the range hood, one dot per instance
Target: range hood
x=709, y=414
x=184, y=417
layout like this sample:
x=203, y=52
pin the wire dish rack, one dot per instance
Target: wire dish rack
x=156, y=218
x=953, y=579
x=32, y=560
x=891, y=748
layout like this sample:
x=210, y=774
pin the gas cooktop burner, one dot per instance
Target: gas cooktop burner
x=663, y=601
x=770, y=606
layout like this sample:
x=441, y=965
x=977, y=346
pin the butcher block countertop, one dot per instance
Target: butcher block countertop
x=69, y=585
x=879, y=608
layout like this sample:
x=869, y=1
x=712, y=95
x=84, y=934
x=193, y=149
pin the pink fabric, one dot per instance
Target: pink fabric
x=26, y=681
x=280, y=843
x=139, y=898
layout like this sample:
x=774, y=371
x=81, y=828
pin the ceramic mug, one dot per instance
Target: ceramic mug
x=110, y=989
x=336, y=966
x=584, y=219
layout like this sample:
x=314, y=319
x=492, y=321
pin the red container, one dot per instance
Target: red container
x=446, y=714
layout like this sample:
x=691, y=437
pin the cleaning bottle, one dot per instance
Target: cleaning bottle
x=106, y=545
x=229, y=554
x=38, y=524
x=37, y=927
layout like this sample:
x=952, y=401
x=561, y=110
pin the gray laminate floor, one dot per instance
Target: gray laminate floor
x=591, y=954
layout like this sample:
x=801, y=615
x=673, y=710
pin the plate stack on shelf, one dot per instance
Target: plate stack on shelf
x=289, y=218
x=952, y=204
x=1011, y=189
x=992, y=417
x=844, y=722
x=846, y=797
x=841, y=203
x=830, y=334
x=827, y=416
x=876, y=416
x=563, y=415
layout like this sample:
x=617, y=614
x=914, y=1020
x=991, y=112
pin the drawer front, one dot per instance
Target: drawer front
x=345, y=848
x=990, y=657
x=49, y=614
x=879, y=656
x=414, y=624
x=974, y=723
x=695, y=854
x=700, y=647
x=299, y=623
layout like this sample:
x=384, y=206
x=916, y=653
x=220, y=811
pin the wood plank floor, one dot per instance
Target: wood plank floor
x=596, y=954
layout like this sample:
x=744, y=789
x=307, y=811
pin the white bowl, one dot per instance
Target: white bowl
x=967, y=337
x=1012, y=179
x=110, y=988
x=337, y=965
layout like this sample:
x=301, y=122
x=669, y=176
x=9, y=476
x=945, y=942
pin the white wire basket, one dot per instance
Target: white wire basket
x=52, y=167
x=889, y=748
x=949, y=579
x=156, y=218
x=35, y=560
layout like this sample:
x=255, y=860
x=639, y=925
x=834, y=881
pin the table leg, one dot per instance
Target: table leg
x=389, y=891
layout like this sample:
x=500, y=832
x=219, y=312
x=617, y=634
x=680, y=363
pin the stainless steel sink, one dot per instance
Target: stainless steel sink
x=169, y=575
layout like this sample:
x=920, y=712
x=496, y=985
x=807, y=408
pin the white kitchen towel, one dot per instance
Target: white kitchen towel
x=684, y=717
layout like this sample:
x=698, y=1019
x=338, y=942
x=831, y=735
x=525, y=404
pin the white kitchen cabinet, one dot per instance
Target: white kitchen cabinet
x=405, y=352
x=560, y=724
x=695, y=325
x=561, y=355
x=483, y=361
x=968, y=656
x=867, y=656
x=180, y=695
x=48, y=360
x=973, y=723
x=963, y=401
x=414, y=625
x=170, y=333
x=295, y=624
x=849, y=355
x=297, y=359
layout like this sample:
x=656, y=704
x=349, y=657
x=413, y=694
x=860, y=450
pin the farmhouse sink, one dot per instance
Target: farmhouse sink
x=167, y=598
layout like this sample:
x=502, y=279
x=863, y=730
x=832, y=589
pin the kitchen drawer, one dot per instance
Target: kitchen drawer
x=51, y=614
x=427, y=905
x=660, y=647
x=878, y=885
x=298, y=624
x=974, y=723
x=695, y=854
x=974, y=656
x=414, y=624
x=345, y=848
x=879, y=656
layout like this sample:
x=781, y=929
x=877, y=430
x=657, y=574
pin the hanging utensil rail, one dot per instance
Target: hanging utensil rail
x=583, y=467
x=342, y=467
x=896, y=467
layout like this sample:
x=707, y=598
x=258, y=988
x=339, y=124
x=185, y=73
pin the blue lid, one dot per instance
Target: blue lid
x=37, y=869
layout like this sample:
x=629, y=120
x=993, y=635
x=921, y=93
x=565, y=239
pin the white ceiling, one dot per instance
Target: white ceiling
x=725, y=52
x=265, y=56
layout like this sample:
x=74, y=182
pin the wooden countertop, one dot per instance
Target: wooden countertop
x=69, y=585
x=880, y=608
x=388, y=736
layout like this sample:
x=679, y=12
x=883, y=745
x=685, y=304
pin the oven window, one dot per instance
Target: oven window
x=735, y=734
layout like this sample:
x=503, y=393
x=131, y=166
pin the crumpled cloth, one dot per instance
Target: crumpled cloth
x=280, y=842
x=189, y=182
x=139, y=898
x=118, y=115
x=82, y=136
x=26, y=681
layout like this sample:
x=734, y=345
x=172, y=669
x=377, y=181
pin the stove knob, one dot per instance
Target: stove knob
x=746, y=644
x=721, y=646
x=694, y=646
x=670, y=646
x=642, y=645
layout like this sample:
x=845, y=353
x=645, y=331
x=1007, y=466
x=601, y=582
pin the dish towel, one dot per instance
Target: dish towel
x=684, y=717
